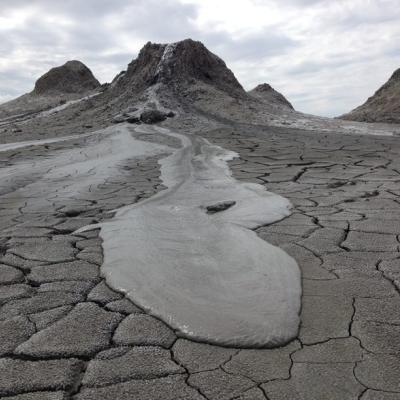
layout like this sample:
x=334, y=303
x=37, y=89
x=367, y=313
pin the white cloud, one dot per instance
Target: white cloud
x=326, y=56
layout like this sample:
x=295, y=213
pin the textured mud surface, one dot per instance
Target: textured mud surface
x=65, y=335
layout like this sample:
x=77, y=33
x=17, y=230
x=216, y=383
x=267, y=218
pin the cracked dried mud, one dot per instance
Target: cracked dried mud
x=64, y=334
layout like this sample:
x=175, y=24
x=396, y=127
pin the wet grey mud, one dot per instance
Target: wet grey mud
x=209, y=277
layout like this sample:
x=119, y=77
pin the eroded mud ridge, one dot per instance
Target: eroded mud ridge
x=64, y=334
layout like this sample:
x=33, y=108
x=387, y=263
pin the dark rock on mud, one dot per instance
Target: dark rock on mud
x=218, y=207
x=153, y=116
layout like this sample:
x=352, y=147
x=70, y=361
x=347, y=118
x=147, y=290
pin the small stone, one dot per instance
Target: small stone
x=152, y=116
x=133, y=119
x=218, y=207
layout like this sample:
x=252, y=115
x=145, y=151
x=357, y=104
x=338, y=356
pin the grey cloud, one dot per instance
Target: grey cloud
x=73, y=8
x=291, y=2
x=88, y=37
x=120, y=58
x=250, y=48
x=312, y=67
x=341, y=60
x=162, y=22
x=99, y=33
x=14, y=83
x=386, y=11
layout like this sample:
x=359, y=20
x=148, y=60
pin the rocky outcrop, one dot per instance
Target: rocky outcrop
x=138, y=116
x=182, y=76
x=177, y=67
x=72, y=77
x=152, y=116
x=266, y=93
x=383, y=106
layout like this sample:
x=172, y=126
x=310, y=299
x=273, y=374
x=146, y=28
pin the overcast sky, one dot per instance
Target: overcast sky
x=325, y=56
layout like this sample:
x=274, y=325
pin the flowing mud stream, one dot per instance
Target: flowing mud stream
x=188, y=254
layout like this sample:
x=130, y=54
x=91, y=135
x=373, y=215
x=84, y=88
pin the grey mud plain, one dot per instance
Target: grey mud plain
x=64, y=334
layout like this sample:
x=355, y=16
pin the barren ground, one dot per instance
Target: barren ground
x=64, y=334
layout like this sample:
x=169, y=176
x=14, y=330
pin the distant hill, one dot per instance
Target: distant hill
x=187, y=76
x=181, y=81
x=269, y=95
x=383, y=106
x=72, y=77
x=60, y=84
